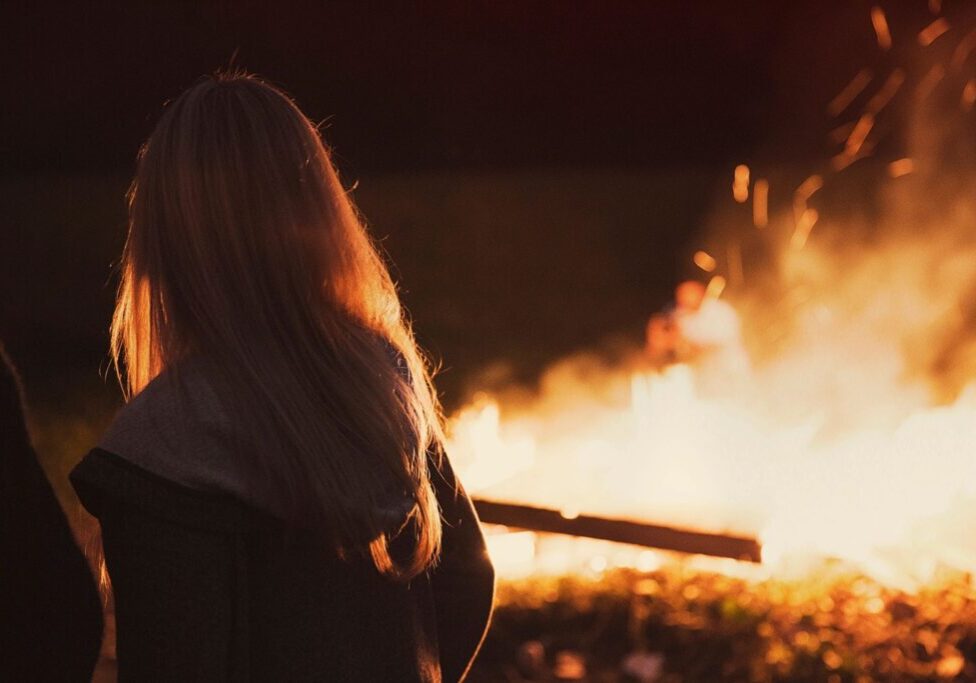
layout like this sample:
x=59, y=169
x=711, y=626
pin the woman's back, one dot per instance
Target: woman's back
x=273, y=500
x=211, y=584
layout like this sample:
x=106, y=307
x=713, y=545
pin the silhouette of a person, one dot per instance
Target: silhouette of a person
x=50, y=612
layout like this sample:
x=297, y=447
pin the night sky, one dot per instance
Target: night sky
x=440, y=84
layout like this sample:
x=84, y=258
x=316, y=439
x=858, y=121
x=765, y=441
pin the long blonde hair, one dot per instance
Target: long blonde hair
x=244, y=248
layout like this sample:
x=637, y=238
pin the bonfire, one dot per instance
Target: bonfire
x=808, y=412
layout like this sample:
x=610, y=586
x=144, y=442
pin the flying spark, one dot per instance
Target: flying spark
x=740, y=183
x=715, y=287
x=705, y=261
x=850, y=92
x=860, y=133
x=930, y=33
x=901, y=167
x=808, y=188
x=969, y=94
x=880, y=23
x=887, y=91
x=964, y=49
x=760, y=203
x=804, y=225
x=930, y=81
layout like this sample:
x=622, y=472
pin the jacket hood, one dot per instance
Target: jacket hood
x=178, y=428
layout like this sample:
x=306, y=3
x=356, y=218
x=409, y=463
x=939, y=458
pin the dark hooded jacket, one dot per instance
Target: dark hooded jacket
x=211, y=584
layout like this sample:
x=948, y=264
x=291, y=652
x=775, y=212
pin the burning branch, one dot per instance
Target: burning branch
x=619, y=531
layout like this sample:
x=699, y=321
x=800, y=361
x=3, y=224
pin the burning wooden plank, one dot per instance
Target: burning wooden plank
x=619, y=531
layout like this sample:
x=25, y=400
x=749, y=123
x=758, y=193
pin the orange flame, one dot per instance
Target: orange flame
x=837, y=443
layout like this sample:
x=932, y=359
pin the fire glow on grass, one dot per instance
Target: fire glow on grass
x=832, y=412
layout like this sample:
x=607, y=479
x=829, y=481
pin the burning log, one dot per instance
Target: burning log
x=619, y=531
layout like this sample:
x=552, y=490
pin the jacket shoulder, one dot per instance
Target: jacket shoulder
x=102, y=477
x=179, y=428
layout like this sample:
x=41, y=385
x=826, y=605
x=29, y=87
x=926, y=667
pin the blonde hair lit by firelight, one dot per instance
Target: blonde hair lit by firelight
x=244, y=249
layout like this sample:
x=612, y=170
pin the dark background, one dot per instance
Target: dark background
x=539, y=173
